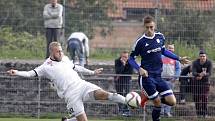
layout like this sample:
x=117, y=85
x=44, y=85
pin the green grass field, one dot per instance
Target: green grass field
x=27, y=119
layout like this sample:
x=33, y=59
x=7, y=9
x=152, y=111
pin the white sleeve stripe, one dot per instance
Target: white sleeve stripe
x=133, y=48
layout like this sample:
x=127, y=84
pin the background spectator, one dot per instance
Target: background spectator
x=201, y=70
x=123, y=83
x=185, y=82
x=78, y=48
x=171, y=71
x=53, y=22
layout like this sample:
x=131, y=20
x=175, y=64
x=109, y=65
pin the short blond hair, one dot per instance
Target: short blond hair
x=52, y=45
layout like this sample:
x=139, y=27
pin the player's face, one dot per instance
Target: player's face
x=57, y=53
x=53, y=2
x=202, y=58
x=149, y=29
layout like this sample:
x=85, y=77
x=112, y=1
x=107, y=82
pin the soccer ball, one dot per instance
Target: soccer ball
x=133, y=99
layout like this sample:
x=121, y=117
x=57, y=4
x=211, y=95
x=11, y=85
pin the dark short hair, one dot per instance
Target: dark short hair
x=148, y=19
x=202, y=52
x=124, y=51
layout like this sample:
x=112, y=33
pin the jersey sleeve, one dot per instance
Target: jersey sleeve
x=81, y=69
x=135, y=52
x=170, y=54
x=40, y=71
x=26, y=73
x=163, y=40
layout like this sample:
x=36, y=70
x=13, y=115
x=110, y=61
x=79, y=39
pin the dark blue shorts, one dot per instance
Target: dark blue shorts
x=153, y=86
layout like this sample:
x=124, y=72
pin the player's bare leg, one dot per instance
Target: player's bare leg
x=82, y=117
x=157, y=109
x=169, y=100
x=104, y=95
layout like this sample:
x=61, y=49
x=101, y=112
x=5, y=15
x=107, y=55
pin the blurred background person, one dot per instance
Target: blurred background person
x=201, y=70
x=123, y=83
x=78, y=48
x=171, y=72
x=185, y=79
x=53, y=22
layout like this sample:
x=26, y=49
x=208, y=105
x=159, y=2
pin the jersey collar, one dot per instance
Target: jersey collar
x=149, y=37
x=54, y=59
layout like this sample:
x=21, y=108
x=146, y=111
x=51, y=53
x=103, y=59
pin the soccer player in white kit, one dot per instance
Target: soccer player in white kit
x=69, y=85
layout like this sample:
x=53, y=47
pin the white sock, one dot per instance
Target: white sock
x=117, y=98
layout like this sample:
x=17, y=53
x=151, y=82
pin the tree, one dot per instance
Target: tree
x=22, y=15
x=82, y=15
x=187, y=24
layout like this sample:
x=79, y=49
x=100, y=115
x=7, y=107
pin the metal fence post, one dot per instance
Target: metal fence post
x=38, y=98
x=144, y=113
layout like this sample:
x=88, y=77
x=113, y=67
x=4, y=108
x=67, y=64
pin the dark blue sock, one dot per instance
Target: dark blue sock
x=156, y=113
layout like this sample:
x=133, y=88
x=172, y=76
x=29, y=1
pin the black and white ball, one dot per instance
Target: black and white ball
x=133, y=99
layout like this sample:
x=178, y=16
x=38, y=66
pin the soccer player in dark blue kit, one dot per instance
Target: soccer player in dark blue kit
x=150, y=46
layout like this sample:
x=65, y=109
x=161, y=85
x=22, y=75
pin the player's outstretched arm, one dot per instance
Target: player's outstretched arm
x=21, y=73
x=81, y=69
x=167, y=53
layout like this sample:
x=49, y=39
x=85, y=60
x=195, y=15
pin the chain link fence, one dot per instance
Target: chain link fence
x=36, y=98
x=112, y=24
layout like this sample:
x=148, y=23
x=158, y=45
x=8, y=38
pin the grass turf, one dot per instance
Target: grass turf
x=27, y=119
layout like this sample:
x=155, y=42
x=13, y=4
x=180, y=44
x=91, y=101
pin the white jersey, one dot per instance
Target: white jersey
x=62, y=74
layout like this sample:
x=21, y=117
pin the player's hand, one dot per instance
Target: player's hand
x=184, y=60
x=53, y=86
x=98, y=71
x=202, y=74
x=123, y=61
x=199, y=78
x=12, y=72
x=143, y=72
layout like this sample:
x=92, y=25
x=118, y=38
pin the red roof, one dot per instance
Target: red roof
x=203, y=5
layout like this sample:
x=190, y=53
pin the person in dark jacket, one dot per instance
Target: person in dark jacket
x=201, y=70
x=185, y=79
x=123, y=83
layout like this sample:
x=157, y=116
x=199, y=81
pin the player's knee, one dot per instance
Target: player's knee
x=81, y=117
x=157, y=102
x=170, y=100
x=101, y=95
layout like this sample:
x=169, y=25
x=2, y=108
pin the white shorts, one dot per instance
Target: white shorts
x=75, y=100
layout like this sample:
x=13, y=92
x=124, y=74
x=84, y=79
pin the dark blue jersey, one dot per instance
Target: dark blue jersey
x=150, y=49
